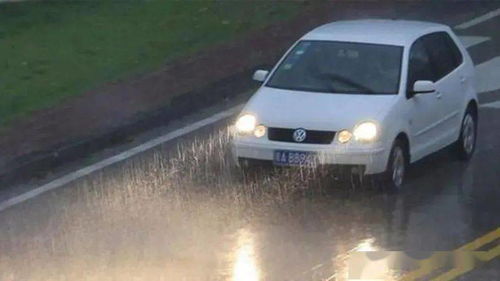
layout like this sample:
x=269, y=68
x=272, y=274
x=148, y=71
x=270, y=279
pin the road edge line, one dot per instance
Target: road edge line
x=80, y=173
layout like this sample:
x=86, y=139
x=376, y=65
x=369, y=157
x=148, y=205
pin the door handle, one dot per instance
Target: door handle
x=462, y=79
x=439, y=95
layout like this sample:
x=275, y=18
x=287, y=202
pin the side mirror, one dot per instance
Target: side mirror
x=260, y=75
x=423, y=87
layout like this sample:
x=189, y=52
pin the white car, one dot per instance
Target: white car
x=373, y=95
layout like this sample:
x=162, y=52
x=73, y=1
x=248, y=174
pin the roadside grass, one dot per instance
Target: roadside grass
x=183, y=215
x=53, y=50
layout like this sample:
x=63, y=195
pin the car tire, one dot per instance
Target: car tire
x=397, y=166
x=466, y=143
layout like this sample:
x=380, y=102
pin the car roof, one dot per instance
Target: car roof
x=376, y=31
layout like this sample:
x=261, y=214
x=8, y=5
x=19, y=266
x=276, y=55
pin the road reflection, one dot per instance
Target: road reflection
x=245, y=266
x=182, y=223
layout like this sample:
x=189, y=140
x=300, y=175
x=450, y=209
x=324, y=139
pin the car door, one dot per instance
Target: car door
x=447, y=61
x=423, y=108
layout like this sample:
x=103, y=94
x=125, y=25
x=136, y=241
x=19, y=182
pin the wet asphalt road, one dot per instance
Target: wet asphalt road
x=296, y=235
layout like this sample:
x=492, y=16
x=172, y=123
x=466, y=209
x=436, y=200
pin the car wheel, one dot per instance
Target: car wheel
x=466, y=143
x=397, y=166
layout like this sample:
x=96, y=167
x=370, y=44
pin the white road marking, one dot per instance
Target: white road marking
x=470, y=41
x=117, y=158
x=495, y=104
x=487, y=75
x=487, y=72
x=479, y=19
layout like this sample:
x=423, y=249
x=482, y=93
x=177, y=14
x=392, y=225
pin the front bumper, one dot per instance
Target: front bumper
x=374, y=158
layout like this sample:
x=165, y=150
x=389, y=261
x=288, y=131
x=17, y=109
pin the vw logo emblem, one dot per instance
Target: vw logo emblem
x=299, y=135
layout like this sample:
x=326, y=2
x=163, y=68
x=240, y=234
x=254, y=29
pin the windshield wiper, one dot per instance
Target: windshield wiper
x=335, y=77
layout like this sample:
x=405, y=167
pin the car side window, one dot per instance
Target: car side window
x=456, y=53
x=442, y=55
x=419, y=67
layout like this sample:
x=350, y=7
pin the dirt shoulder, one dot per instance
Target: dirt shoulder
x=116, y=111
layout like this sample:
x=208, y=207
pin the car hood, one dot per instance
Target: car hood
x=315, y=111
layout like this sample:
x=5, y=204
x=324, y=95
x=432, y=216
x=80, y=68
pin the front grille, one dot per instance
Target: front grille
x=312, y=136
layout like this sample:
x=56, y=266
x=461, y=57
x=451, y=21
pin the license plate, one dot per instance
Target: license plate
x=295, y=158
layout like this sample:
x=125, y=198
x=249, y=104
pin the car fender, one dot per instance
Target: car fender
x=395, y=125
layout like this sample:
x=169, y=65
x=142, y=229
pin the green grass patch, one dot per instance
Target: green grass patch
x=51, y=50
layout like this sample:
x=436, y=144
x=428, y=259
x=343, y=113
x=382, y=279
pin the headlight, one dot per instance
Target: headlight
x=344, y=136
x=259, y=131
x=246, y=123
x=366, y=131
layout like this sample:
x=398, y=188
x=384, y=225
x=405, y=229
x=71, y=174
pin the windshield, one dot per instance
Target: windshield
x=340, y=67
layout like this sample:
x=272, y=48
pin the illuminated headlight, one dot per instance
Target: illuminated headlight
x=246, y=123
x=366, y=131
x=344, y=136
x=259, y=131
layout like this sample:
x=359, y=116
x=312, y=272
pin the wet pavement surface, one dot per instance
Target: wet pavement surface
x=184, y=212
